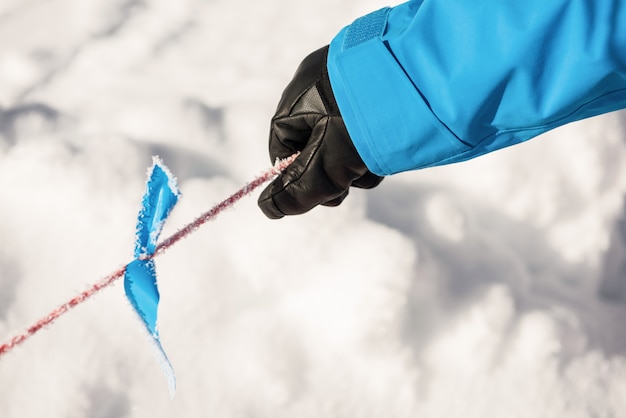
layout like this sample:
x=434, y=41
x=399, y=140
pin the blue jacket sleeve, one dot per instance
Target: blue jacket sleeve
x=434, y=82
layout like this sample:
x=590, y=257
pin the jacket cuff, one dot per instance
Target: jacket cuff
x=390, y=124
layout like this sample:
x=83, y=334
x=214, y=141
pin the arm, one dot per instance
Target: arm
x=456, y=79
x=435, y=82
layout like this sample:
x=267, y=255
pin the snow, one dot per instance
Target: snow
x=485, y=289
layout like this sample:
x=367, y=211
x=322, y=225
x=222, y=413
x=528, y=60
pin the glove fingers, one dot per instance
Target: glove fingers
x=290, y=195
x=368, y=181
x=280, y=198
x=304, y=184
x=291, y=134
x=267, y=204
x=336, y=201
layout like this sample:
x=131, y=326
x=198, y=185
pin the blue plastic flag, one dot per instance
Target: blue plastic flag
x=140, y=277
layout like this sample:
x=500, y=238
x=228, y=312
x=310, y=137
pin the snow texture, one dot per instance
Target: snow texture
x=492, y=288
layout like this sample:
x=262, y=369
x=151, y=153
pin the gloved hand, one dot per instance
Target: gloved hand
x=308, y=120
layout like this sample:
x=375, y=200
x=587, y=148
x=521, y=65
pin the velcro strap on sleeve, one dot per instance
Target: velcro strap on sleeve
x=366, y=28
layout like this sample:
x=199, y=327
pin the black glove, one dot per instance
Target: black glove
x=308, y=120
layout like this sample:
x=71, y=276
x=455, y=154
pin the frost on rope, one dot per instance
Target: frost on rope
x=140, y=284
x=139, y=275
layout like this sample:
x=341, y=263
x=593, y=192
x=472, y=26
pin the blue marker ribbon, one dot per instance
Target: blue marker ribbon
x=140, y=282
